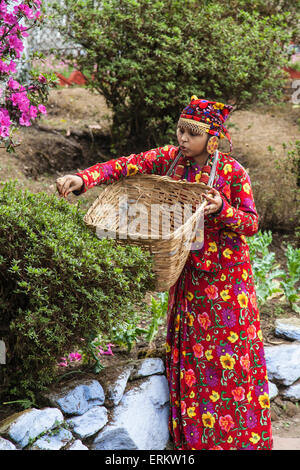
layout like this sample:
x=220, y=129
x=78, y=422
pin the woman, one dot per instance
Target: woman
x=215, y=360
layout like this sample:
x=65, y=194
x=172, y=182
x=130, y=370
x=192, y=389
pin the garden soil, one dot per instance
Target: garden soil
x=74, y=135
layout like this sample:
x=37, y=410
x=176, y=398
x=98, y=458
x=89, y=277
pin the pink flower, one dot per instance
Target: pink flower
x=108, y=352
x=33, y=112
x=63, y=363
x=75, y=357
x=13, y=84
x=5, y=122
x=42, y=79
x=42, y=109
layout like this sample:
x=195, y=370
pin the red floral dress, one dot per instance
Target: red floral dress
x=215, y=364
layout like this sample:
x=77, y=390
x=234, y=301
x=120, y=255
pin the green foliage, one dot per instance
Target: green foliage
x=269, y=279
x=291, y=277
x=158, y=314
x=264, y=266
x=152, y=55
x=59, y=283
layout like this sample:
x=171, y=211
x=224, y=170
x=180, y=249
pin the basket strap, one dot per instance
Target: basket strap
x=174, y=163
x=213, y=170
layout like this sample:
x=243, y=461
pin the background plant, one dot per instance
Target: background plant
x=265, y=268
x=151, y=56
x=269, y=277
x=59, y=283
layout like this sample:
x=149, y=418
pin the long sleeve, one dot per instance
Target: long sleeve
x=239, y=212
x=155, y=161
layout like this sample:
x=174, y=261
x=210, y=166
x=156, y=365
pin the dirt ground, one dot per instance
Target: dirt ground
x=73, y=136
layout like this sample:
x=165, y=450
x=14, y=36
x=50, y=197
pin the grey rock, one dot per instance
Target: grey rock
x=53, y=441
x=140, y=421
x=116, y=390
x=148, y=366
x=6, y=445
x=77, y=445
x=273, y=390
x=79, y=399
x=292, y=392
x=90, y=422
x=288, y=328
x=283, y=363
x=31, y=423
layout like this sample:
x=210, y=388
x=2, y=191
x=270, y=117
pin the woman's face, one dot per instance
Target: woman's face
x=191, y=145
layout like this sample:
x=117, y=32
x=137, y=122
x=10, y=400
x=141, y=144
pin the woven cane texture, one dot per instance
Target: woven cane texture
x=156, y=213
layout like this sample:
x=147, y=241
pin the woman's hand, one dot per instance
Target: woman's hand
x=214, y=201
x=68, y=183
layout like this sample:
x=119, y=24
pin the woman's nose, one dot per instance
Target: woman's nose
x=184, y=137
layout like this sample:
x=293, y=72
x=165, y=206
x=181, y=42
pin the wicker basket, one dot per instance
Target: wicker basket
x=155, y=212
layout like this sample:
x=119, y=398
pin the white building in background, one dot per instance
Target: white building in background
x=46, y=39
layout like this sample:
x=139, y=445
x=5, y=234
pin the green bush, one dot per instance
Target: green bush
x=58, y=283
x=152, y=55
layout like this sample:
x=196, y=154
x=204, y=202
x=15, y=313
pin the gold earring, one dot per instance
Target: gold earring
x=212, y=144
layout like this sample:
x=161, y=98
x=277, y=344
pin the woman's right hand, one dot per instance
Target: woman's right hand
x=68, y=183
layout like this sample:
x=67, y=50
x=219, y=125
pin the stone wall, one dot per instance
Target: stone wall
x=128, y=407
x=127, y=410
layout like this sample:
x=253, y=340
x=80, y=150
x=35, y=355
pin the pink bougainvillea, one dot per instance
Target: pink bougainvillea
x=20, y=104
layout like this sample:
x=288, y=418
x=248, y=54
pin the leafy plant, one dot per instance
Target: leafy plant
x=147, y=57
x=290, y=278
x=264, y=266
x=158, y=313
x=59, y=283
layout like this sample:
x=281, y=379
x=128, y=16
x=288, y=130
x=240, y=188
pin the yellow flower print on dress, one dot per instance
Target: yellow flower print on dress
x=246, y=188
x=227, y=253
x=243, y=300
x=118, y=166
x=131, y=169
x=190, y=296
x=209, y=355
x=191, y=412
x=213, y=247
x=229, y=212
x=244, y=275
x=190, y=319
x=208, y=420
x=223, y=277
x=214, y=396
x=224, y=294
x=264, y=400
x=227, y=361
x=254, y=438
x=198, y=177
x=95, y=175
x=233, y=337
x=249, y=397
x=227, y=168
x=174, y=423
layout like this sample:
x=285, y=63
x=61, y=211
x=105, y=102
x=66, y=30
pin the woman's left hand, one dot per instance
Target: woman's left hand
x=214, y=201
